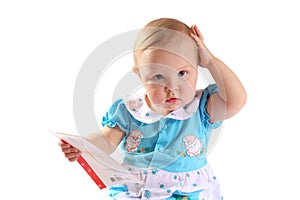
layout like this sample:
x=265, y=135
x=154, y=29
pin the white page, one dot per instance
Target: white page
x=108, y=170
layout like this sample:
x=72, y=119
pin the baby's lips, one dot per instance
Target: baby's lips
x=172, y=100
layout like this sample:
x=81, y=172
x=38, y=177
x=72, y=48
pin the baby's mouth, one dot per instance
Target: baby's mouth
x=172, y=100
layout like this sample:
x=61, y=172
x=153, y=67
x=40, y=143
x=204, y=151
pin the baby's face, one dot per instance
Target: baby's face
x=169, y=80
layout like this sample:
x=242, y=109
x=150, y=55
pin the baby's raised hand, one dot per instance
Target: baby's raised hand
x=205, y=55
x=71, y=153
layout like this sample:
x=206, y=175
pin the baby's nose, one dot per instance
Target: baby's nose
x=173, y=85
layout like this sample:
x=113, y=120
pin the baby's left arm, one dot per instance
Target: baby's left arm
x=231, y=96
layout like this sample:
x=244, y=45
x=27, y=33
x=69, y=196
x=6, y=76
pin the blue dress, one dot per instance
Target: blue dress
x=167, y=152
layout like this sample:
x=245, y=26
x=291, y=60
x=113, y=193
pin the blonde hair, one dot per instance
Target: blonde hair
x=172, y=24
x=167, y=34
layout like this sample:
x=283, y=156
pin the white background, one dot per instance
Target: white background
x=44, y=44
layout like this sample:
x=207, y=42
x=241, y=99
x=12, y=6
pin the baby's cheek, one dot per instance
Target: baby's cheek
x=187, y=94
x=157, y=98
x=156, y=95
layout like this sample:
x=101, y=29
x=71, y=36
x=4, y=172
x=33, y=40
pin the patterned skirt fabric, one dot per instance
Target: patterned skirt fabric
x=199, y=184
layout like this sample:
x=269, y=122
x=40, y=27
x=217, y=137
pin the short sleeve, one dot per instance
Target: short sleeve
x=117, y=115
x=205, y=117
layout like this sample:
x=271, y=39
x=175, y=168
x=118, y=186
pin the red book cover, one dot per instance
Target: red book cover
x=91, y=172
x=102, y=168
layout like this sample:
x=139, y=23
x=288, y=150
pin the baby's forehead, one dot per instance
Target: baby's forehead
x=153, y=39
x=159, y=58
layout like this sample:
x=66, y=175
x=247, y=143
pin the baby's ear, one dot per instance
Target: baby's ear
x=135, y=70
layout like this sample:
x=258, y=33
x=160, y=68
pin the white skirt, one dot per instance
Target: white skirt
x=199, y=184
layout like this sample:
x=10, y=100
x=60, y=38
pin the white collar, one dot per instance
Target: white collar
x=138, y=108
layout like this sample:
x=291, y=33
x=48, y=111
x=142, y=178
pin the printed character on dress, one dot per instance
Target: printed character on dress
x=192, y=145
x=133, y=140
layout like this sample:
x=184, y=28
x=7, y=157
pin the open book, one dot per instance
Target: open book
x=103, y=169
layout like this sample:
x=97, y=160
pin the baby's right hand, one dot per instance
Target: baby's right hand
x=71, y=153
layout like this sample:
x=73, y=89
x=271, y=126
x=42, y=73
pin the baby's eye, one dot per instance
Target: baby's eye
x=158, y=77
x=182, y=73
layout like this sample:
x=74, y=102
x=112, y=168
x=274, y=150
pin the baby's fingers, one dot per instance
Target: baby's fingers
x=195, y=37
x=64, y=145
x=197, y=32
x=73, y=156
x=70, y=150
